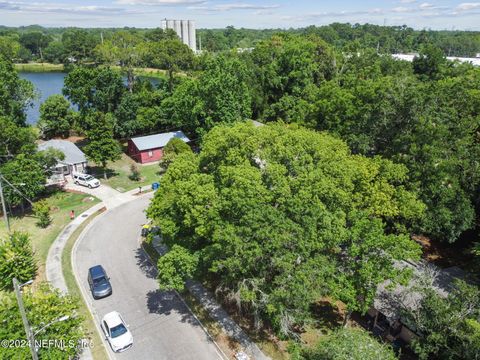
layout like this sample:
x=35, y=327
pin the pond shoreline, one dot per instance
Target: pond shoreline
x=49, y=67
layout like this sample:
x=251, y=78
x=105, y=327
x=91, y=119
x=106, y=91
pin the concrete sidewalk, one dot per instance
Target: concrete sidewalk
x=207, y=300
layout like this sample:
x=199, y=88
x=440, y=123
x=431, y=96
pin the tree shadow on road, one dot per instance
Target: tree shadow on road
x=144, y=264
x=167, y=303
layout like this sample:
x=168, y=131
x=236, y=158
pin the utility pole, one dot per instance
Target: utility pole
x=28, y=330
x=4, y=208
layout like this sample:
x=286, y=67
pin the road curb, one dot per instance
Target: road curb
x=86, y=300
x=221, y=353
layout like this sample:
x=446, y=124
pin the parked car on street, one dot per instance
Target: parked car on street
x=85, y=180
x=116, y=332
x=99, y=282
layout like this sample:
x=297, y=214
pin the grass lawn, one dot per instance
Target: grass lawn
x=60, y=203
x=39, y=67
x=119, y=171
x=98, y=350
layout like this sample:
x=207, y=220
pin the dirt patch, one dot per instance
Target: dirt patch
x=445, y=255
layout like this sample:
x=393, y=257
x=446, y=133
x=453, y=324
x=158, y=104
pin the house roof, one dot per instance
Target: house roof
x=73, y=155
x=390, y=301
x=257, y=123
x=157, y=140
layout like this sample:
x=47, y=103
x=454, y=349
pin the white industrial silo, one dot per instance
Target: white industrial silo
x=170, y=24
x=177, y=27
x=192, y=36
x=185, y=32
x=164, y=24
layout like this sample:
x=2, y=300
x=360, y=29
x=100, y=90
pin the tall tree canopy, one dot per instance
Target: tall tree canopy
x=44, y=305
x=219, y=95
x=56, y=117
x=349, y=344
x=98, y=88
x=280, y=216
x=15, y=94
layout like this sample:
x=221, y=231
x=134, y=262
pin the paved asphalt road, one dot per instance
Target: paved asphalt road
x=161, y=324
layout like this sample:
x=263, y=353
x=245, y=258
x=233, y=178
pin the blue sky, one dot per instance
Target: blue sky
x=441, y=14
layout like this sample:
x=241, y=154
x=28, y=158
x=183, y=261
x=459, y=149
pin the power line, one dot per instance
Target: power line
x=16, y=190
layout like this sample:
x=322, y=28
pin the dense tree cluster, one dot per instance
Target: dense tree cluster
x=349, y=344
x=16, y=260
x=448, y=326
x=43, y=306
x=386, y=39
x=280, y=216
x=64, y=45
x=20, y=163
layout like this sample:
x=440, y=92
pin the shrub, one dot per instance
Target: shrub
x=134, y=173
x=16, y=260
x=42, y=211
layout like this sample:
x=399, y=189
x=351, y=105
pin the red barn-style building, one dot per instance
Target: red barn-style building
x=145, y=149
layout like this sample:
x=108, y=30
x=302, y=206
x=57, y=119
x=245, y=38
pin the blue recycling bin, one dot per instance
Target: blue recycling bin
x=155, y=186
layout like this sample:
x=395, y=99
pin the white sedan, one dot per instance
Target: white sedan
x=116, y=332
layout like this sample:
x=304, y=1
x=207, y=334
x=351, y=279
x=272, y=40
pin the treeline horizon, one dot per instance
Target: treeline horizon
x=386, y=39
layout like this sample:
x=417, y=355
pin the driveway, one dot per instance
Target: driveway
x=162, y=326
x=103, y=192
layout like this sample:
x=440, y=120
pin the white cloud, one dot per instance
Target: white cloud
x=160, y=2
x=234, y=6
x=425, y=6
x=468, y=6
x=46, y=7
x=401, y=9
x=316, y=16
x=407, y=1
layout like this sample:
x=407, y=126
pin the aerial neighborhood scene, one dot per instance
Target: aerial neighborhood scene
x=239, y=180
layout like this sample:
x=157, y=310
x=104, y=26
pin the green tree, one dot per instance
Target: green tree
x=41, y=210
x=219, y=95
x=175, y=267
x=102, y=147
x=429, y=62
x=36, y=42
x=349, y=344
x=170, y=55
x=276, y=215
x=284, y=70
x=79, y=45
x=56, y=117
x=9, y=47
x=134, y=173
x=43, y=306
x=99, y=88
x=448, y=326
x=15, y=139
x=140, y=112
x=122, y=48
x=55, y=52
x=27, y=176
x=15, y=94
x=173, y=148
x=16, y=260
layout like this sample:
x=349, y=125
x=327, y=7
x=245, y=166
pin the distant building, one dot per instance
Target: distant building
x=145, y=149
x=74, y=161
x=185, y=30
x=410, y=57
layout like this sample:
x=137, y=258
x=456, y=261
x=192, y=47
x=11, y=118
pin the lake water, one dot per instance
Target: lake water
x=47, y=84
